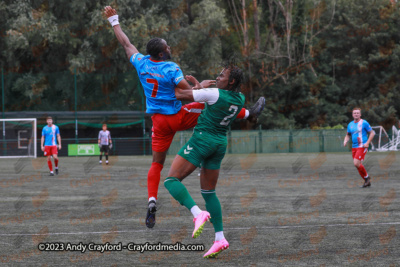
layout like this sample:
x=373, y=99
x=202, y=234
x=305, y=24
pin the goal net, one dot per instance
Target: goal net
x=18, y=138
x=380, y=140
x=394, y=143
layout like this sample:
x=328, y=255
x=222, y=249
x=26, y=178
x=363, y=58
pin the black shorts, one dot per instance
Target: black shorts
x=104, y=148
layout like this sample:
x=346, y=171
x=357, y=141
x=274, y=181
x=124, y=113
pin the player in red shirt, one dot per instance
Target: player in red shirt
x=160, y=78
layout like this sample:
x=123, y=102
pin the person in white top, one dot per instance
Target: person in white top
x=105, y=142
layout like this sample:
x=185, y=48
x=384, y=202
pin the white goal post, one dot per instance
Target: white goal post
x=380, y=140
x=18, y=138
x=394, y=144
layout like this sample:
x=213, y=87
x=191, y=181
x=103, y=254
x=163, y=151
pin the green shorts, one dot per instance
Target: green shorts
x=205, y=149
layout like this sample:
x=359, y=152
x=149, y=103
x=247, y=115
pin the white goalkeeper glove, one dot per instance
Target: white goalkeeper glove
x=110, y=146
x=99, y=146
x=113, y=20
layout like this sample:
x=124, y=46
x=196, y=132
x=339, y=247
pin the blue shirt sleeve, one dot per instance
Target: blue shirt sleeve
x=348, y=129
x=57, y=130
x=176, y=74
x=43, y=131
x=135, y=59
x=367, y=127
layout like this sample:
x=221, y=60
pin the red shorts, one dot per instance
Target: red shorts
x=359, y=153
x=50, y=150
x=165, y=126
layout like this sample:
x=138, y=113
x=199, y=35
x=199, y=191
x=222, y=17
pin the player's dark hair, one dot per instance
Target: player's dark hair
x=104, y=124
x=235, y=74
x=49, y=118
x=154, y=47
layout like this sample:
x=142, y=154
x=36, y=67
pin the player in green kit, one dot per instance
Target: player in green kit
x=207, y=147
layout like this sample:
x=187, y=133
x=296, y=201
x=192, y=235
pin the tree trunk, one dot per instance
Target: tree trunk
x=246, y=50
x=189, y=11
x=256, y=25
x=245, y=31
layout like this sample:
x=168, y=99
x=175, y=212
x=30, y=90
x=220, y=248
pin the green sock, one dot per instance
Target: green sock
x=179, y=192
x=214, y=208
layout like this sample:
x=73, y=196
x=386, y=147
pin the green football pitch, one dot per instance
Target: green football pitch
x=278, y=210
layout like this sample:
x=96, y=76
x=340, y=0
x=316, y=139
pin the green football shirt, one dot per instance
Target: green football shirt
x=221, y=109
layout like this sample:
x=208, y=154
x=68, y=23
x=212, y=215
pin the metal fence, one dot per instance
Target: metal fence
x=239, y=142
x=275, y=141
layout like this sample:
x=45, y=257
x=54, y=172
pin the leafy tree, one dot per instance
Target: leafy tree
x=314, y=60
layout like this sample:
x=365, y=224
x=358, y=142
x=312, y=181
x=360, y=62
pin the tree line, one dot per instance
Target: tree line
x=314, y=60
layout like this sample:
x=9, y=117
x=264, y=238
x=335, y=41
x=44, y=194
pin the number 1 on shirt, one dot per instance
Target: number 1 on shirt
x=155, y=87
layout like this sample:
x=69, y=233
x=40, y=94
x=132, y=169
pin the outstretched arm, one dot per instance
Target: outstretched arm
x=183, y=91
x=197, y=84
x=184, y=85
x=112, y=16
x=209, y=96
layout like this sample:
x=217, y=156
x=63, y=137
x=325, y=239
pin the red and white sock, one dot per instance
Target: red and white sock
x=153, y=179
x=363, y=172
x=243, y=114
x=50, y=165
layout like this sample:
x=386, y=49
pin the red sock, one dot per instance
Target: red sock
x=50, y=165
x=153, y=179
x=241, y=114
x=56, y=162
x=362, y=171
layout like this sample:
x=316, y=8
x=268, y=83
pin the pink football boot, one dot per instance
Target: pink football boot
x=199, y=222
x=217, y=248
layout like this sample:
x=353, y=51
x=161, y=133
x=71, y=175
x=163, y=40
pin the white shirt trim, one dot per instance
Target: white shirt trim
x=133, y=57
x=209, y=95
